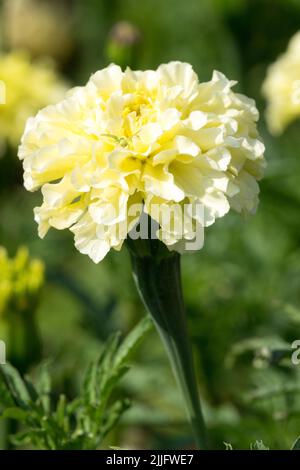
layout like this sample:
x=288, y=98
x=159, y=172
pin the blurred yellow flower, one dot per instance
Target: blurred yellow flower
x=28, y=87
x=141, y=138
x=44, y=28
x=21, y=279
x=282, y=88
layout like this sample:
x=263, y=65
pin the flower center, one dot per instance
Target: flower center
x=138, y=112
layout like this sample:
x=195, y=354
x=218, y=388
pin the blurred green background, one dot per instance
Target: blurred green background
x=242, y=290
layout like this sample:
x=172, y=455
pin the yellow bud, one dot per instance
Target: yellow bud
x=20, y=280
x=21, y=259
x=35, y=275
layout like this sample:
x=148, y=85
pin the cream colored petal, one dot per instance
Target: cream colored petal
x=216, y=205
x=149, y=133
x=179, y=74
x=247, y=198
x=59, y=194
x=196, y=120
x=159, y=182
x=190, y=178
x=186, y=146
x=88, y=242
x=110, y=207
x=108, y=80
x=169, y=118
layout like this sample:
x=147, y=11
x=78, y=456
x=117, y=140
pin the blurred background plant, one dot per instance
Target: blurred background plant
x=242, y=290
x=29, y=86
x=21, y=280
x=81, y=423
x=42, y=27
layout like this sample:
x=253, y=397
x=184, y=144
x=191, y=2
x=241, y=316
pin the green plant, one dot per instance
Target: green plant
x=257, y=445
x=81, y=423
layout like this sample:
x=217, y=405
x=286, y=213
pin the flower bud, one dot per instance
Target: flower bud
x=122, y=44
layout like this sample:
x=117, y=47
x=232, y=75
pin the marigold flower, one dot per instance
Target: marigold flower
x=282, y=88
x=141, y=138
x=27, y=87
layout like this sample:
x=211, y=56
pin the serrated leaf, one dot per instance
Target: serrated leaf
x=86, y=420
x=107, y=390
x=106, y=367
x=114, y=414
x=132, y=340
x=112, y=380
x=98, y=370
x=89, y=382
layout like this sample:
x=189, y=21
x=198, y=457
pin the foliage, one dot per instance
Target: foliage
x=257, y=445
x=242, y=290
x=81, y=423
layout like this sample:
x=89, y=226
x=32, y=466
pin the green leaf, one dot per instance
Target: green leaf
x=81, y=423
x=114, y=413
x=98, y=372
x=74, y=405
x=106, y=367
x=111, y=382
x=15, y=385
x=89, y=382
x=43, y=386
x=15, y=413
x=61, y=411
x=132, y=340
x=31, y=389
x=6, y=398
x=21, y=438
x=296, y=445
x=258, y=445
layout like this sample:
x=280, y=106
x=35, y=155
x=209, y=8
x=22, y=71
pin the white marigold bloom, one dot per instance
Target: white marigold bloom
x=135, y=139
x=282, y=88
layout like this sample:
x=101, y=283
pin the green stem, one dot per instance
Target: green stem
x=159, y=283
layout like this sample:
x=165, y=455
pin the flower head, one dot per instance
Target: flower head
x=144, y=140
x=26, y=87
x=282, y=88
